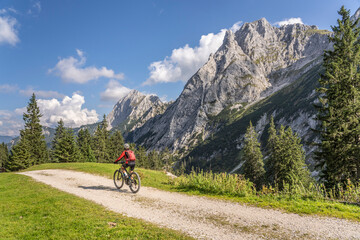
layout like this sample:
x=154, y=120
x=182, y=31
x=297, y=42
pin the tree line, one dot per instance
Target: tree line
x=103, y=147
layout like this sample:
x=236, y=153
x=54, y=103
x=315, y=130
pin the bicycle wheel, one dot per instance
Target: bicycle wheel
x=118, y=179
x=134, y=182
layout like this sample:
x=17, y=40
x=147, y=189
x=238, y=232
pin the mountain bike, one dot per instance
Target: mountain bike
x=131, y=179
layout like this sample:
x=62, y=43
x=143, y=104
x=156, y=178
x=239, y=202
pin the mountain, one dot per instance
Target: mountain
x=252, y=64
x=133, y=110
x=5, y=139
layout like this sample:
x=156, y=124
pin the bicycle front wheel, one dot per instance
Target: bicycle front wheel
x=134, y=182
x=118, y=179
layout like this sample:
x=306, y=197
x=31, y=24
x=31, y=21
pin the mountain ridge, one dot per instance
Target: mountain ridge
x=251, y=64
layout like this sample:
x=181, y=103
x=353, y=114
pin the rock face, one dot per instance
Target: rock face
x=133, y=110
x=256, y=61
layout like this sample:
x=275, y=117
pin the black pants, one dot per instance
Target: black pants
x=131, y=164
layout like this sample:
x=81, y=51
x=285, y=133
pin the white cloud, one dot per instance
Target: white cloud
x=6, y=88
x=69, y=109
x=1, y=123
x=114, y=91
x=185, y=61
x=289, y=21
x=236, y=26
x=35, y=8
x=41, y=94
x=11, y=123
x=8, y=32
x=71, y=70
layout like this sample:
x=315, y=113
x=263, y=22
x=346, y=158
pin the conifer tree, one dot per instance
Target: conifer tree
x=32, y=140
x=4, y=155
x=116, y=145
x=154, y=160
x=84, y=145
x=253, y=167
x=33, y=133
x=141, y=158
x=339, y=112
x=65, y=149
x=20, y=155
x=59, y=134
x=286, y=162
x=101, y=142
x=270, y=164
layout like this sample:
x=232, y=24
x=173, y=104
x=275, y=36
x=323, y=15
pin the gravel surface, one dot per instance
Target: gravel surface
x=200, y=217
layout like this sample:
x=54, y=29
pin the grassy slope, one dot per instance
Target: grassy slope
x=32, y=210
x=159, y=180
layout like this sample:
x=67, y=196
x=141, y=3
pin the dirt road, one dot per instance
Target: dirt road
x=200, y=217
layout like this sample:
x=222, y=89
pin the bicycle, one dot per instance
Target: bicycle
x=133, y=179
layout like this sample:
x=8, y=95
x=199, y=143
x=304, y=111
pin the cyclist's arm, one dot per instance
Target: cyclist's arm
x=121, y=156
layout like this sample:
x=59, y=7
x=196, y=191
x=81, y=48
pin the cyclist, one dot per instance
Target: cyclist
x=129, y=157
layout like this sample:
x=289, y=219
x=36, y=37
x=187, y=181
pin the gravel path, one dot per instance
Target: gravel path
x=199, y=217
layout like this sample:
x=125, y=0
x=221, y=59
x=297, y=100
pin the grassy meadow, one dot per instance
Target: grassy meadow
x=32, y=210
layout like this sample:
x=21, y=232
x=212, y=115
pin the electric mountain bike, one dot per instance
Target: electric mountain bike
x=131, y=179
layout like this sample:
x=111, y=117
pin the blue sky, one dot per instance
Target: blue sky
x=80, y=57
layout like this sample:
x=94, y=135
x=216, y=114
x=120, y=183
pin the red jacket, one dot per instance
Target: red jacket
x=128, y=155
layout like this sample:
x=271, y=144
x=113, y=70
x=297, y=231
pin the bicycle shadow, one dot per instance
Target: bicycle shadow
x=101, y=187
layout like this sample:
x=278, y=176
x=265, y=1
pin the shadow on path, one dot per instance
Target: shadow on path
x=101, y=187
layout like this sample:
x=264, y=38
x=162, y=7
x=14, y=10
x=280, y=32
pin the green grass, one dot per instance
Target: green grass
x=159, y=180
x=32, y=210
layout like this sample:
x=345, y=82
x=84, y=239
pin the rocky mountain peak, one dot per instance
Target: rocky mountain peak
x=356, y=15
x=133, y=110
x=252, y=63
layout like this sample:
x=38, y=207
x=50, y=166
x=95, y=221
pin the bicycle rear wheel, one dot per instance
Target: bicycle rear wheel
x=118, y=179
x=134, y=182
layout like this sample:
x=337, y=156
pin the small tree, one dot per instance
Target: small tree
x=287, y=158
x=20, y=155
x=66, y=149
x=253, y=167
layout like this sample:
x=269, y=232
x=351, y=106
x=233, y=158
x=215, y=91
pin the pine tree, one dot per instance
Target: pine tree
x=101, y=142
x=154, y=160
x=286, y=162
x=4, y=155
x=84, y=144
x=59, y=134
x=116, y=145
x=31, y=140
x=270, y=164
x=253, y=167
x=339, y=112
x=65, y=149
x=20, y=155
x=166, y=158
x=141, y=157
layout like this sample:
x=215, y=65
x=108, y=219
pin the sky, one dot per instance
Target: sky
x=80, y=57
